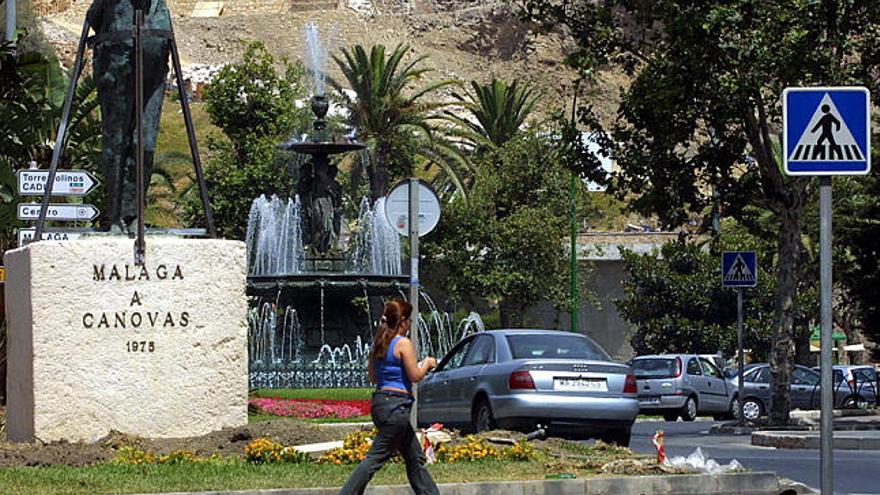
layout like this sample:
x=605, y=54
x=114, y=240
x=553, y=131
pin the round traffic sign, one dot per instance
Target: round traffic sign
x=397, y=208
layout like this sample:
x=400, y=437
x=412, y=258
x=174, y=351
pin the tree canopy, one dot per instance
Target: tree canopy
x=703, y=110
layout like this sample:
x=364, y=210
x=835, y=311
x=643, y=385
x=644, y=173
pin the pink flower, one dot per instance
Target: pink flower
x=312, y=408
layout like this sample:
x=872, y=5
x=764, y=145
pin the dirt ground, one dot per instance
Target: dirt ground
x=481, y=42
x=228, y=443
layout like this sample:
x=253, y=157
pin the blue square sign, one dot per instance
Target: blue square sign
x=826, y=131
x=739, y=269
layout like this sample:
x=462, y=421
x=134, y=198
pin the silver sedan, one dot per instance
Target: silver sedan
x=522, y=379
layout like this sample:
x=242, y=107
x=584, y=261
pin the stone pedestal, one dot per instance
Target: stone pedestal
x=98, y=344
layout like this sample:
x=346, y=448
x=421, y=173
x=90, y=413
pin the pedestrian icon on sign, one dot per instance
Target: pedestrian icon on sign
x=739, y=269
x=826, y=131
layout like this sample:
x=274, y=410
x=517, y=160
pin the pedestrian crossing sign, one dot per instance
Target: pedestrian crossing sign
x=739, y=269
x=826, y=131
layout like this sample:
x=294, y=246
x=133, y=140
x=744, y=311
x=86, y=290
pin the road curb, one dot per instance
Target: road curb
x=751, y=483
x=810, y=440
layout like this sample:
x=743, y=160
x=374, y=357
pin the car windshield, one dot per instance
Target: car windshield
x=555, y=347
x=655, y=368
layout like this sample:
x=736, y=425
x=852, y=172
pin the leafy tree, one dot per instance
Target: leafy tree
x=857, y=255
x=393, y=118
x=496, y=112
x=704, y=107
x=675, y=299
x=255, y=107
x=506, y=242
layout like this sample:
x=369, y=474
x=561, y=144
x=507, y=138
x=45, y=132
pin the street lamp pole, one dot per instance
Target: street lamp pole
x=575, y=296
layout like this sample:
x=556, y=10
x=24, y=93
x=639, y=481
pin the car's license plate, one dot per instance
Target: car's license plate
x=649, y=401
x=581, y=384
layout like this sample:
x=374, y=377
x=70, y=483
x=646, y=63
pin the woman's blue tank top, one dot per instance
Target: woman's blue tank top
x=389, y=371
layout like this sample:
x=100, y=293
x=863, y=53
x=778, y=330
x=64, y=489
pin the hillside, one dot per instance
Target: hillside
x=462, y=40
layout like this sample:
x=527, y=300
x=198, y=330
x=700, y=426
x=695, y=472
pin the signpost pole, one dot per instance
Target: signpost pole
x=414, y=281
x=575, y=297
x=139, y=248
x=10, y=20
x=827, y=429
x=740, y=357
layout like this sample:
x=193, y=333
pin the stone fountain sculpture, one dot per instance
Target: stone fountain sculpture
x=319, y=191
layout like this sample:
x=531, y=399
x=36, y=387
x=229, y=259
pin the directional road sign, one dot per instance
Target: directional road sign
x=67, y=182
x=60, y=212
x=739, y=269
x=826, y=131
x=25, y=236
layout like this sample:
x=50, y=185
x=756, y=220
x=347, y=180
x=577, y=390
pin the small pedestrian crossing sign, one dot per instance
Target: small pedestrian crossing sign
x=826, y=131
x=739, y=269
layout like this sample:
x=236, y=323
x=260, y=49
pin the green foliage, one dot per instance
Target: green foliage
x=500, y=110
x=506, y=242
x=254, y=105
x=703, y=111
x=674, y=297
x=251, y=100
x=857, y=248
x=392, y=117
x=32, y=91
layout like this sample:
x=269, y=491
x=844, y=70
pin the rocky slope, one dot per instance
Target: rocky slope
x=462, y=40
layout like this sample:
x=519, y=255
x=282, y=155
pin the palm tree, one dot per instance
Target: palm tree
x=392, y=116
x=497, y=112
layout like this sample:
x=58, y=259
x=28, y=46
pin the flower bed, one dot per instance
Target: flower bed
x=311, y=408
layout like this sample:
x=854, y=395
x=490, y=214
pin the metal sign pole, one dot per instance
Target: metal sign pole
x=10, y=20
x=740, y=355
x=827, y=428
x=62, y=129
x=139, y=247
x=414, y=281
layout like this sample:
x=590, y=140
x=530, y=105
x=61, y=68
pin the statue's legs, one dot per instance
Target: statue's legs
x=113, y=65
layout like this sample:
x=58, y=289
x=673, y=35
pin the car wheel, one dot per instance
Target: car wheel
x=483, y=419
x=689, y=410
x=617, y=436
x=733, y=413
x=752, y=409
x=671, y=417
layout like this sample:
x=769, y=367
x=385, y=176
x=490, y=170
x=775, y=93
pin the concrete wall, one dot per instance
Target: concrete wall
x=599, y=317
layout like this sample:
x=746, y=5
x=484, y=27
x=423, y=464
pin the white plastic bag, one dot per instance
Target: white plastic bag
x=699, y=463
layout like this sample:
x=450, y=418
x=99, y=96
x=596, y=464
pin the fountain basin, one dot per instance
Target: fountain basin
x=350, y=283
x=321, y=147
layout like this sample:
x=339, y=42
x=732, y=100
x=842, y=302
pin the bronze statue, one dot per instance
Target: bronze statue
x=113, y=23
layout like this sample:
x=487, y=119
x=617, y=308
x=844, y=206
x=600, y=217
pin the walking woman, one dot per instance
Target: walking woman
x=393, y=369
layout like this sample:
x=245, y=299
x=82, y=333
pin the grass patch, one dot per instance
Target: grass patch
x=316, y=393
x=238, y=475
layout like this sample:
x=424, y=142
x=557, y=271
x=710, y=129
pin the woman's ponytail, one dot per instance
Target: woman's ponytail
x=395, y=312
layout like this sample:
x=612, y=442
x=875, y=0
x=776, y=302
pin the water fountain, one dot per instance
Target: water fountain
x=315, y=302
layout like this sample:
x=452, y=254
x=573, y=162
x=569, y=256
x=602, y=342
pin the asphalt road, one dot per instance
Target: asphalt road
x=855, y=472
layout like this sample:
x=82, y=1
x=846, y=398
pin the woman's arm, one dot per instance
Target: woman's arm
x=410, y=364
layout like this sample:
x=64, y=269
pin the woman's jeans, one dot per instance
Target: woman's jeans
x=391, y=412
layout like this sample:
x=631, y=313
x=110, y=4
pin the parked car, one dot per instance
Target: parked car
x=682, y=385
x=858, y=383
x=804, y=388
x=520, y=379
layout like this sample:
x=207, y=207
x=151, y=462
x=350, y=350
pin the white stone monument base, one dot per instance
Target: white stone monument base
x=98, y=344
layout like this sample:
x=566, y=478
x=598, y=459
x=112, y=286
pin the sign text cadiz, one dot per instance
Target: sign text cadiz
x=67, y=182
